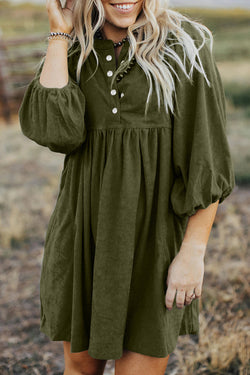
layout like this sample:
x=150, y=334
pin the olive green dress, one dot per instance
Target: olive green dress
x=128, y=185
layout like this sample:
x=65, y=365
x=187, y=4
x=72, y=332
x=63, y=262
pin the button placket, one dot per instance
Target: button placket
x=110, y=66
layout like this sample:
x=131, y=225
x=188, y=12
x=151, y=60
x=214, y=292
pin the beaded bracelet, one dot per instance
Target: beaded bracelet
x=60, y=35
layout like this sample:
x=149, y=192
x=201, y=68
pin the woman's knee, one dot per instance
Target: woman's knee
x=133, y=363
x=81, y=362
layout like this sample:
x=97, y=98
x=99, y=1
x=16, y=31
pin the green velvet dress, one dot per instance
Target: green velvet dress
x=128, y=185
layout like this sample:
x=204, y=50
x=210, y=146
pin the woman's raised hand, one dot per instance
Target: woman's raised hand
x=60, y=19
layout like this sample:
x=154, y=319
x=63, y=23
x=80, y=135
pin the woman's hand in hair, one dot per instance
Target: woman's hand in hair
x=60, y=19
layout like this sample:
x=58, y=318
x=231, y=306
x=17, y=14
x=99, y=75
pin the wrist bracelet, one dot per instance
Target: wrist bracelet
x=60, y=35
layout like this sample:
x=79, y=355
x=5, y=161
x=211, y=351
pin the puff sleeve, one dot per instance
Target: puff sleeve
x=202, y=162
x=54, y=117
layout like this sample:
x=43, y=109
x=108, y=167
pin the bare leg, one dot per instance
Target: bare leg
x=81, y=363
x=132, y=363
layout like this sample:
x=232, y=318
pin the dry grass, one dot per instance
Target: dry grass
x=231, y=73
x=29, y=186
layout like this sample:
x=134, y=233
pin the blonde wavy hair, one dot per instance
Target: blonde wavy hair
x=148, y=37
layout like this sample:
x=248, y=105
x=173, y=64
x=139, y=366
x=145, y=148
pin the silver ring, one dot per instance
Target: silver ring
x=192, y=296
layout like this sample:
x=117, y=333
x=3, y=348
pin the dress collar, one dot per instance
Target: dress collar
x=108, y=44
x=104, y=44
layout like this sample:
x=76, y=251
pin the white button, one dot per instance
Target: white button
x=113, y=92
x=109, y=73
x=114, y=110
x=108, y=57
x=122, y=94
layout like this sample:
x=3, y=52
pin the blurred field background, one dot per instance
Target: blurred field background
x=29, y=183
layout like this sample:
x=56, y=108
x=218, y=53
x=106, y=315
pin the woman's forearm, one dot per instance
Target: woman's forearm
x=55, y=69
x=198, y=230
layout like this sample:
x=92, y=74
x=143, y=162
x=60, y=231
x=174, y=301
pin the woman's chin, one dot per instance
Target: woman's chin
x=120, y=24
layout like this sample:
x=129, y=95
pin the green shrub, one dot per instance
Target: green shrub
x=238, y=94
x=247, y=112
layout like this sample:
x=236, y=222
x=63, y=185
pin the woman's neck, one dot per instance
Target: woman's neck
x=114, y=33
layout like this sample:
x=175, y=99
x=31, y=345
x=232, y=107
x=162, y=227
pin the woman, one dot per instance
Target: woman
x=142, y=126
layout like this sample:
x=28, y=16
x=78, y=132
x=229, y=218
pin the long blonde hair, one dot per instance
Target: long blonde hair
x=153, y=27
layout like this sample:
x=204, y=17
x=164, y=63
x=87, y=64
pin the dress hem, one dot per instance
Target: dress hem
x=115, y=356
